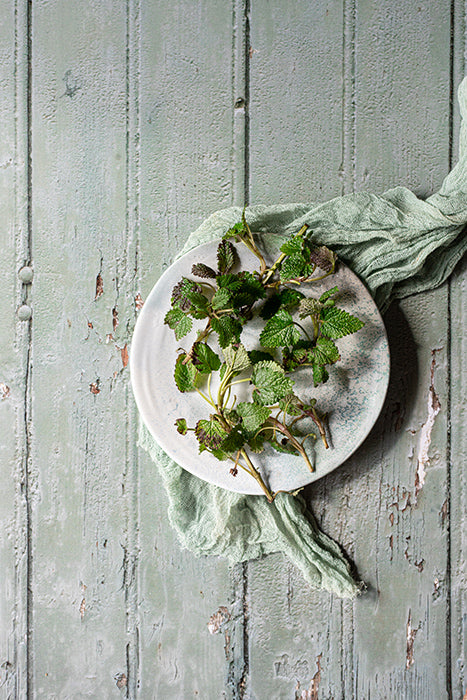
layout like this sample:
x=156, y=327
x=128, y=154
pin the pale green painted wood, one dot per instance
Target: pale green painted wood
x=139, y=129
x=457, y=446
x=363, y=647
x=14, y=360
x=402, y=93
x=458, y=505
x=402, y=137
x=83, y=480
x=297, y=154
x=189, y=167
x=296, y=148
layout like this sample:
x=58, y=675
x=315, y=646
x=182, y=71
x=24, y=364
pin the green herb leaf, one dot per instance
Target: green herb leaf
x=287, y=299
x=228, y=329
x=290, y=297
x=279, y=331
x=179, y=322
x=236, y=230
x=210, y=433
x=249, y=290
x=181, y=426
x=296, y=356
x=327, y=295
x=309, y=307
x=270, y=382
x=225, y=256
x=291, y=405
x=320, y=374
x=324, y=258
x=292, y=246
x=236, y=358
x=233, y=442
x=188, y=296
x=325, y=352
x=202, y=270
x=185, y=374
x=221, y=299
x=336, y=323
x=256, y=443
x=293, y=267
x=229, y=281
x=204, y=358
x=259, y=356
x=253, y=416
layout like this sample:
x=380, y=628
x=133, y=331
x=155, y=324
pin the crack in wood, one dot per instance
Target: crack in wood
x=411, y=633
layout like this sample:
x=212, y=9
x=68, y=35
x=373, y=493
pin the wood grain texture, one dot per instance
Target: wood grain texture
x=123, y=126
x=392, y=642
x=191, y=164
x=84, y=260
x=296, y=146
x=15, y=358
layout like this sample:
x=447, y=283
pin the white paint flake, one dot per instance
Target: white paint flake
x=411, y=634
x=434, y=408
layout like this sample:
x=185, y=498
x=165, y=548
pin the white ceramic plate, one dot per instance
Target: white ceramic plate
x=353, y=396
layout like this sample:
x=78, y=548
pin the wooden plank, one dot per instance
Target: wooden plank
x=399, y=499
x=297, y=154
x=191, y=162
x=14, y=346
x=402, y=90
x=457, y=507
x=295, y=110
x=458, y=502
x=361, y=649
x=84, y=263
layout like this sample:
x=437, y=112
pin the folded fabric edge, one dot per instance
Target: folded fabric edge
x=317, y=556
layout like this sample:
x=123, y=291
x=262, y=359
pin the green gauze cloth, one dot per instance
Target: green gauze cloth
x=398, y=245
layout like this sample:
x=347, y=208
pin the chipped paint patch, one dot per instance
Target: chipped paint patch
x=82, y=608
x=121, y=680
x=114, y=319
x=94, y=387
x=218, y=619
x=444, y=512
x=99, y=286
x=139, y=303
x=4, y=391
x=411, y=633
x=284, y=669
x=434, y=407
x=312, y=692
x=124, y=354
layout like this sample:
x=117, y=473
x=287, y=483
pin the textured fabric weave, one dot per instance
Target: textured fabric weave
x=398, y=245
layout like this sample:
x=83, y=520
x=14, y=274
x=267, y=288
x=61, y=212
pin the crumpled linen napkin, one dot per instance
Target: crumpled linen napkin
x=398, y=245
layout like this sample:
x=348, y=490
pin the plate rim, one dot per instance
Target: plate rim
x=138, y=390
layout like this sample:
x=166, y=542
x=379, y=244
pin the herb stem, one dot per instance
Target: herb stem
x=239, y=381
x=282, y=256
x=303, y=329
x=281, y=428
x=209, y=401
x=256, y=475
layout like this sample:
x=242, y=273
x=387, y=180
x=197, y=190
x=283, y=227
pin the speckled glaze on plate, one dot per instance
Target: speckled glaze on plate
x=352, y=397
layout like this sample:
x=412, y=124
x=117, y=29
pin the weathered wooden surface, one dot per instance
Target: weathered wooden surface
x=123, y=125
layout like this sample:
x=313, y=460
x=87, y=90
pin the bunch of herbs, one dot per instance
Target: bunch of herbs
x=299, y=331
